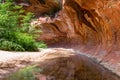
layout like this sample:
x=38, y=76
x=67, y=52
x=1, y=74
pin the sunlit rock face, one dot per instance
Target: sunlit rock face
x=90, y=26
x=79, y=21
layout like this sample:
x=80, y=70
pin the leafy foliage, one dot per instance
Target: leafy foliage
x=41, y=45
x=9, y=15
x=14, y=28
x=10, y=46
x=26, y=22
x=26, y=73
x=26, y=41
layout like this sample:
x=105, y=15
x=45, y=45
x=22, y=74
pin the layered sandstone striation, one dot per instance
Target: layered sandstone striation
x=88, y=26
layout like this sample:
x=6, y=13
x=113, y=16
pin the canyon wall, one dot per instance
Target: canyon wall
x=88, y=26
x=90, y=23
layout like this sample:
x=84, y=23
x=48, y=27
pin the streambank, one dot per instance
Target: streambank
x=57, y=63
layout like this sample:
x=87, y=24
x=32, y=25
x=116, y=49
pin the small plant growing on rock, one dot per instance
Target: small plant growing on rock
x=26, y=73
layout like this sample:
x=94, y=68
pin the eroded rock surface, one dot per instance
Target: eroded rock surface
x=56, y=64
x=90, y=26
x=65, y=65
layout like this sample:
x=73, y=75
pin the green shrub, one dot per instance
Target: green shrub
x=10, y=46
x=26, y=73
x=15, y=27
x=41, y=45
x=26, y=41
x=22, y=39
x=6, y=34
x=13, y=17
x=9, y=16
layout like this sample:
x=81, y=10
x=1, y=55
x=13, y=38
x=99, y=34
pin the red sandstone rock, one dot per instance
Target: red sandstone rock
x=90, y=26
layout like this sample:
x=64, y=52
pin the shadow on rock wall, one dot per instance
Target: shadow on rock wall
x=89, y=26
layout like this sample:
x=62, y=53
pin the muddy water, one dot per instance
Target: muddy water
x=75, y=67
